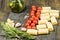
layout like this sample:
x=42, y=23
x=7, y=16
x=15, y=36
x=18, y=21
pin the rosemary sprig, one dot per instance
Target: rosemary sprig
x=12, y=32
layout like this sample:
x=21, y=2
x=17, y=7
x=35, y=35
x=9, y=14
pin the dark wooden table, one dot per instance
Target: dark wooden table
x=5, y=13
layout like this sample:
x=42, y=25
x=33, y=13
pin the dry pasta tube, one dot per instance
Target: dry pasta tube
x=54, y=11
x=42, y=26
x=10, y=21
x=45, y=17
x=50, y=26
x=23, y=29
x=44, y=14
x=53, y=20
x=46, y=8
x=32, y=31
x=43, y=31
x=55, y=15
x=42, y=21
x=45, y=11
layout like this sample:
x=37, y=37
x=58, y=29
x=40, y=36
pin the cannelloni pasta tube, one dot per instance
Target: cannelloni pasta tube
x=45, y=18
x=54, y=13
x=43, y=31
x=42, y=26
x=32, y=31
x=42, y=21
x=50, y=26
x=53, y=20
x=43, y=14
x=23, y=29
x=46, y=8
x=45, y=11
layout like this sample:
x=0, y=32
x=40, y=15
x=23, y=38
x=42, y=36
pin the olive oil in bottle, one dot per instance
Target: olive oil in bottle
x=17, y=6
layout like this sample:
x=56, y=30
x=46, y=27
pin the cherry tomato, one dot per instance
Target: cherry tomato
x=33, y=17
x=32, y=11
x=32, y=14
x=33, y=6
x=39, y=8
x=33, y=27
x=28, y=27
x=38, y=13
x=27, y=24
x=29, y=21
x=36, y=18
x=32, y=24
x=35, y=21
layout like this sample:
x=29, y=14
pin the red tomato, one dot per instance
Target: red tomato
x=33, y=27
x=32, y=24
x=29, y=21
x=27, y=24
x=33, y=6
x=28, y=27
x=33, y=17
x=39, y=8
x=36, y=18
x=38, y=13
x=32, y=11
x=32, y=14
x=35, y=21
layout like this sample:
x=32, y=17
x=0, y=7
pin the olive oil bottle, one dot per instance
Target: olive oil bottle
x=17, y=6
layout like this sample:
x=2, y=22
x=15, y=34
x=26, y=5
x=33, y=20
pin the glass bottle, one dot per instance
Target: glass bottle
x=17, y=6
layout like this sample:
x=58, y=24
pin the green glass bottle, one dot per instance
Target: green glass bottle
x=17, y=6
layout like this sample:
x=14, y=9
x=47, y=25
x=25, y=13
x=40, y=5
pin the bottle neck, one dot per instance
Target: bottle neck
x=20, y=2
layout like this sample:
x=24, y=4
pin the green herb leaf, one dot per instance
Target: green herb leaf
x=13, y=32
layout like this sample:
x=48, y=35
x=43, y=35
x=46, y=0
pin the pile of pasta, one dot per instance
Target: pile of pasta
x=48, y=19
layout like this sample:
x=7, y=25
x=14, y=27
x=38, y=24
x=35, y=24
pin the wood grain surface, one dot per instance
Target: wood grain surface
x=4, y=11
